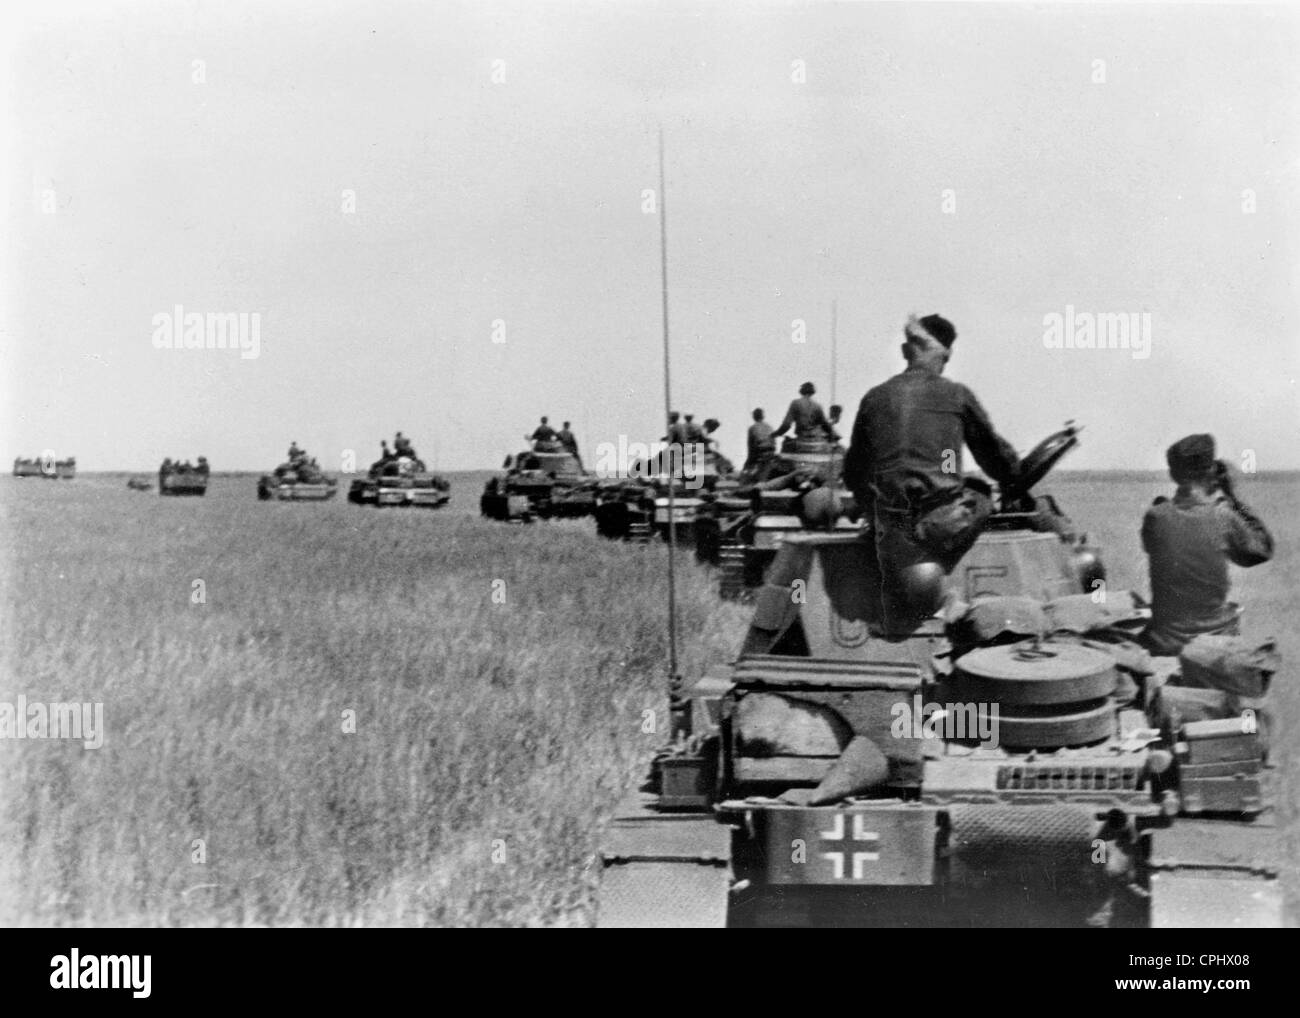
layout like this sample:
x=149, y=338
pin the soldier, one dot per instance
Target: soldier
x=294, y=452
x=676, y=429
x=833, y=418
x=402, y=446
x=569, y=443
x=542, y=433
x=693, y=432
x=385, y=454
x=904, y=464
x=762, y=445
x=1189, y=541
x=808, y=418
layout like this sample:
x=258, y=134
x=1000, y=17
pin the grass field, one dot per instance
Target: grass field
x=498, y=677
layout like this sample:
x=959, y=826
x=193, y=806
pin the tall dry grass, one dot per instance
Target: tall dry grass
x=491, y=739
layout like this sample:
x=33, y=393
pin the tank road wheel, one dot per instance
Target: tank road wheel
x=1220, y=874
x=639, y=532
x=731, y=564
x=664, y=871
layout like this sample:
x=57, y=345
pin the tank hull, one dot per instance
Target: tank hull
x=834, y=814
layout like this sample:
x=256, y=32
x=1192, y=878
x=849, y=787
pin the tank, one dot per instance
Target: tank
x=1014, y=760
x=46, y=466
x=296, y=482
x=637, y=508
x=798, y=490
x=183, y=478
x=402, y=481
x=139, y=484
x=543, y=482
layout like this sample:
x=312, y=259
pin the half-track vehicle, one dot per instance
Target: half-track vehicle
x=183, y=478
x=543, y=482
x=401, y=481
x=838, y=772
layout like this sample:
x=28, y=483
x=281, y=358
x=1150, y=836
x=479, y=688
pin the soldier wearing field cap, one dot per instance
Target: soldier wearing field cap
x=1189, y=540
x=904, y=468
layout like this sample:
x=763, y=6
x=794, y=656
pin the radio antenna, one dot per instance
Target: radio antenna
x=673, y=676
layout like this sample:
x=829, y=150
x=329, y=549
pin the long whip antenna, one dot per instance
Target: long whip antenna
x=833, y=330
x=668, y=402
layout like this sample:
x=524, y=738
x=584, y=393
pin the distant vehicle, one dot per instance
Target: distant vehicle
x=546, y=481
x=301, y=482
x=742, y=532
x=139, y=484
x=637, y=508
x=182, y=478
x=401, y=481
x=46, y=466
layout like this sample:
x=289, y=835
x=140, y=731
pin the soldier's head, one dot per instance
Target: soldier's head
x=1191, y=459
x=928, y=341
x=807, y=389
x=711, y=425
x=689, y=418
x=758, y=413
x=673, y=417
x=543, y=420
x=836, y=411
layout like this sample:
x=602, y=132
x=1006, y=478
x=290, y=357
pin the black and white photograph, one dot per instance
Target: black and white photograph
x=629, y=464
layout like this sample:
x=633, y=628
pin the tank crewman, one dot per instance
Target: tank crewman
x=833, y=418
x=807, y=417
x=569, y=442
x=761, y=444
x=203, y=465
x=904, y=466
x=543, y=433
x=385, y=454
x=294, y=452
x=402, y=446
x=1189, y=541
x=676, y=429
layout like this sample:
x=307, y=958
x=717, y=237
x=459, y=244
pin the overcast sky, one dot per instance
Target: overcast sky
x=991, y=163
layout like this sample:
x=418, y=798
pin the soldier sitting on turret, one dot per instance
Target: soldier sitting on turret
x=543, y=435
x=805, y=414
x=402, y=446
x=203, y=465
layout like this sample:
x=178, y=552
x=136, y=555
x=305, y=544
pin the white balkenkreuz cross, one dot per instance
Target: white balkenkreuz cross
x=860, y=833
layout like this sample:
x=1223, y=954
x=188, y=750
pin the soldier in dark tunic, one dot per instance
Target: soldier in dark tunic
x=761, y=445
x=1189, y=541
x=807, y=417
x=904, y=468
x=543, y=433
x=569, y=442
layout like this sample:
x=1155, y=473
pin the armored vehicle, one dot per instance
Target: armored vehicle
x=799, y=489
x=46, y=466
x=543, y=482
x=637, y=507
x=182, y=478
x=1016, y=759
x=401, y=481
x=139, y=484
x=296, y=482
